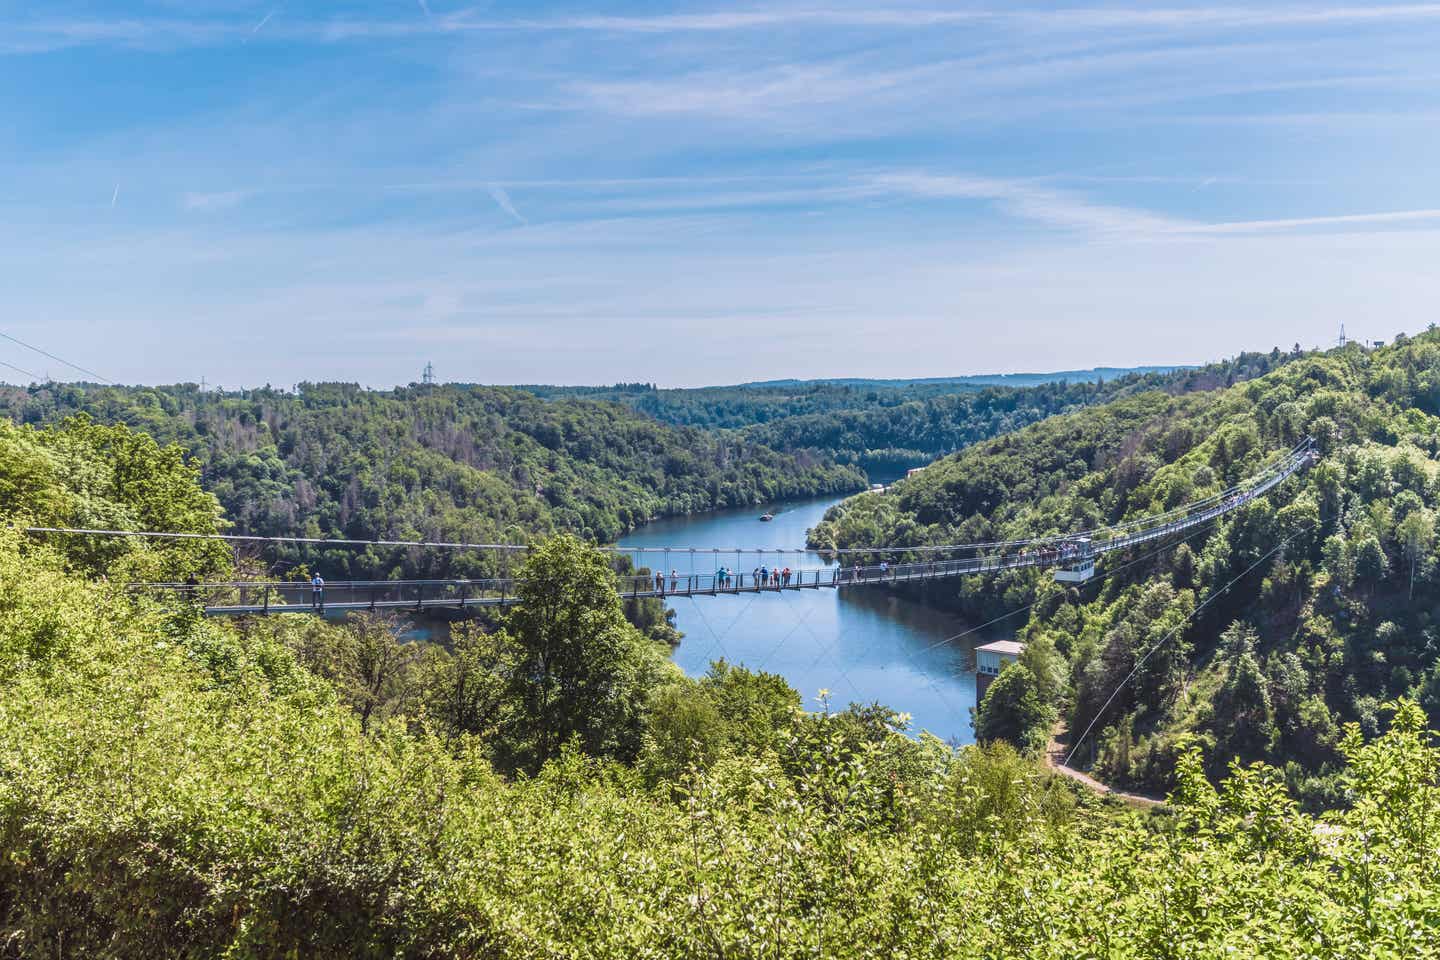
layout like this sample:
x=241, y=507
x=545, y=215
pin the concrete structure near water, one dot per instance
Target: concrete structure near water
x=990, y=659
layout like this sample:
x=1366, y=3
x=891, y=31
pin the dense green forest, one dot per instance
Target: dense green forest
x=888, y=426
x=1342, y=618
x=474, y=464
x=172, y=786
x=494, y=464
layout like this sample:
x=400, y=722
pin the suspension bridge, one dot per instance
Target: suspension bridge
x=1072, y=558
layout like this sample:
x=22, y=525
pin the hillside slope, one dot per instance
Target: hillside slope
x=478, y=464
x=1341, y=619
x=886, y=426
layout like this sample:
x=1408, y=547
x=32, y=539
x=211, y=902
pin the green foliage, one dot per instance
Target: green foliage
x=1346, y=612
x=367, y=663
x=1013, y=710
x=173, y=787
x=452, y=463
x=1244, y=717
x=581, y=671
x=731, y=711
x=465, y=688
x=80, y=474
x=885, y=426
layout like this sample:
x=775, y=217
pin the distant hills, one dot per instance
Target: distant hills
x=970, y=381
x=979, y=381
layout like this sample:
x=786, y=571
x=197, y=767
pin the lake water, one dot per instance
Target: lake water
x=862, y=644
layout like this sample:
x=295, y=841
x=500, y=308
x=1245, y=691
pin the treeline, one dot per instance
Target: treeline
x=172, y=786
x=885, y=427
x=474, y=464
x=1342, y=618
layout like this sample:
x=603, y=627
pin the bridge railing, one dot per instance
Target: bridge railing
x=286, y=596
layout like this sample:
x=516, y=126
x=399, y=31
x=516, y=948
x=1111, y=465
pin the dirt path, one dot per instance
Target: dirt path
x=1055, y=760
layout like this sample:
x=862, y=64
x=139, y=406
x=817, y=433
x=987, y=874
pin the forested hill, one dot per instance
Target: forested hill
x=886, y=426
x=1322, y=633
x=175, y=787
x=481, y=464
x=977, y=381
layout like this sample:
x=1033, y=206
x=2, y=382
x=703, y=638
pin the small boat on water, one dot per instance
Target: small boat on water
x=767, y=516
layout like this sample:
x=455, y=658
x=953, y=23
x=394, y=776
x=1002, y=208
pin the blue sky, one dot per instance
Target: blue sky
x=687, y=193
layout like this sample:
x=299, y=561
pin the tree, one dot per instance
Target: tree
x=82, y=474
x=582, y=670
x=1371, y=564
x=757, y=707
x=371, y=668
x=684, y=729
x=1244, y=716
x=1417, y=533
x=466, y=689
x=1046, y=665
x=1014, y=712
x=1184, y=566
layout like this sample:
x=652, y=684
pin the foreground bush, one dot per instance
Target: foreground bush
x=153, y=805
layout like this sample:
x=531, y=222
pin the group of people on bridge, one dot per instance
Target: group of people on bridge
x=760, y=577
x=765, y=576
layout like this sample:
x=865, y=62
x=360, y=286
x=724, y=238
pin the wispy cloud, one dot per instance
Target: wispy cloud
x=38, y=35
x=910, y=18
x=263, y=20
x=747, y=93
x=1302, y=223
x=1000, y=85
x=1071, y=211
x=42, y=36
x=1169, y=18
x=114, y=197
x=502, y=200
x=212, y=202
x=1055, y=208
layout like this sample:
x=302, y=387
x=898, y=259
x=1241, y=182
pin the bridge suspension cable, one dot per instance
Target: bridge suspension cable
x=1298, y=456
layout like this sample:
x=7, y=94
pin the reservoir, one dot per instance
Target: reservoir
x=863, y=644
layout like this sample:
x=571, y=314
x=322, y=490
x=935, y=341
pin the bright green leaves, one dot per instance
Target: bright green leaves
x=80, y=474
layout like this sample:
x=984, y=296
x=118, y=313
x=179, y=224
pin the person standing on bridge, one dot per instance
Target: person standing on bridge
x=660, y=582
x=317, y=592
x=674, y=580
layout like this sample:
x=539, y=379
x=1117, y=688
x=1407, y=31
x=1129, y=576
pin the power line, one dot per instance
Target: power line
x=1166, y=639
x=31, y=346
x=33, y=376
